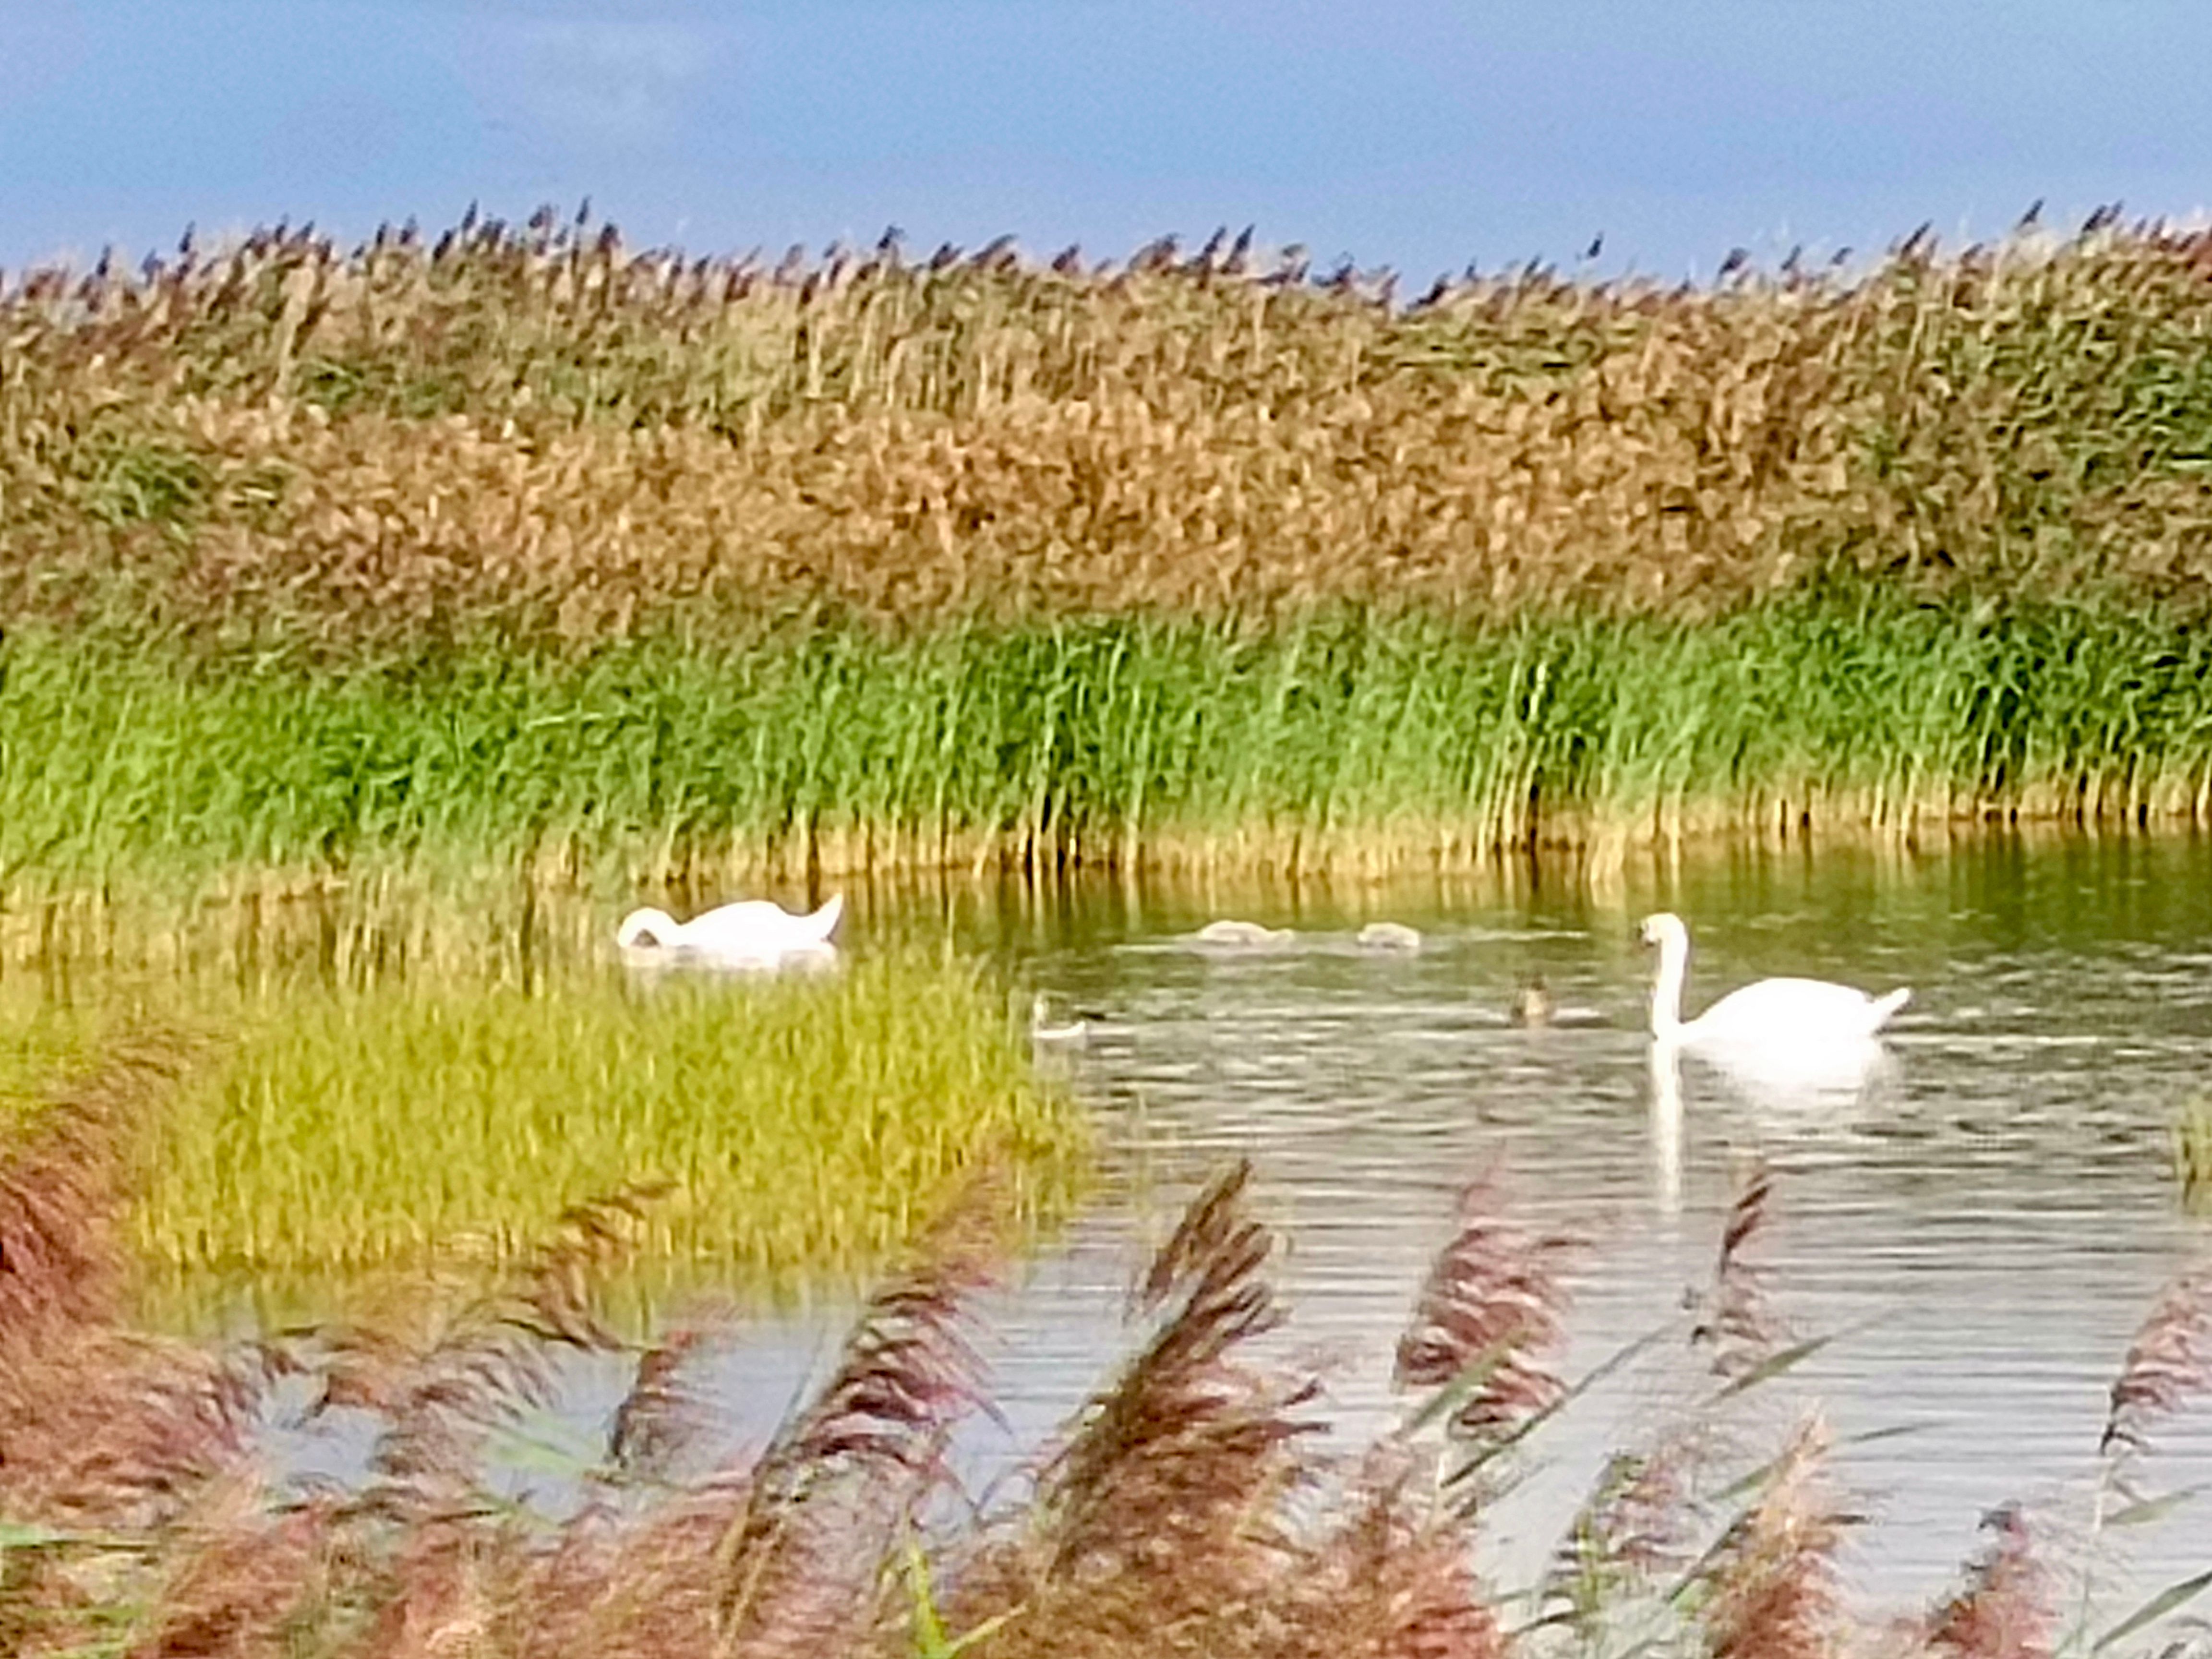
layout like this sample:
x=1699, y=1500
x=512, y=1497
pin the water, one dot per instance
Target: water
x=1980, y=1230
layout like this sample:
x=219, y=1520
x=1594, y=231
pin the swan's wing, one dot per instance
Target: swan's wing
x=751, y=928
x=1783, y=1011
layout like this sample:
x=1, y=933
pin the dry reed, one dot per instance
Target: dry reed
x=548, y=437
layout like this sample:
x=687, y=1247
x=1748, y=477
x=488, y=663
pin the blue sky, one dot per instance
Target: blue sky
x=1419, y=134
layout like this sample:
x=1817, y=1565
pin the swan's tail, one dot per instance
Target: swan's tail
x=1885, y=1007
x=826, y=918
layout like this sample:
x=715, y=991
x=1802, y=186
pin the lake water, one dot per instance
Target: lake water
x=1980, y=1229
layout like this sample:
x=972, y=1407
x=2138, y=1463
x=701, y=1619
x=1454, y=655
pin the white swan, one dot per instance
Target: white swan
x=1242, y=934
x=749, y=931
x=1388, y=936
x=1043, y=1031
x=1773, y=1014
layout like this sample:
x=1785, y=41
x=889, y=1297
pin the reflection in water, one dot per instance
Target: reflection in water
x=1830, y=1082
x=1666, y=1130
x=1977, y=1206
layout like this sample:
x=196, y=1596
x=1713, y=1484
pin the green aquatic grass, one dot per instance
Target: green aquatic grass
x=1313, y=741
x=799, y=1123
x=40, y=1043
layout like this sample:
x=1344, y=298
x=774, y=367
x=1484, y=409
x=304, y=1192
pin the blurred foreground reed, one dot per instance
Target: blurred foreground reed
x=1193, y=1506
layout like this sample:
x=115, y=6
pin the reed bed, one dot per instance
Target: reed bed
x=538, y=436
x=1350, y=739
x=1191, y=1506
x=518, y=538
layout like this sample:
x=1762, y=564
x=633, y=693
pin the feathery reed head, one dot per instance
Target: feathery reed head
x=1735, y=1322
x=2169, y=1362
x=1771, y=1582
x=1491, y=1312
x=2004, y=1610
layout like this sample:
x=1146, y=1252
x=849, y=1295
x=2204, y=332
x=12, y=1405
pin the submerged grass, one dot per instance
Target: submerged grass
x=785, y=1123
x=1356, y=736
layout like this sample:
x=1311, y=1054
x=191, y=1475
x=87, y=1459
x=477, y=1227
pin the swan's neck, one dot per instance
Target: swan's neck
x=1667, y=989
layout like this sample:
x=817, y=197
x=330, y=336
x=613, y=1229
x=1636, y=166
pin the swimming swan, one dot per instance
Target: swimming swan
x=1534, y=1006
x=1771, y=1014
x=1242, y=934
x=1388, y=936
x=752, y=930
x=1074, y=1034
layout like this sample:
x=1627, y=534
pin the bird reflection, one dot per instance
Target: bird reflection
x=1786, y=1091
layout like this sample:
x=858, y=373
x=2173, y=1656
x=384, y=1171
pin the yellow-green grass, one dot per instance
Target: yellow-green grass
x=41, y=1043
x=798, y=1122
x=2192, y=1153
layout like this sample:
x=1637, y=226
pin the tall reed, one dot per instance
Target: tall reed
x=1348, y=738
x=543, y=437
x=521, y=539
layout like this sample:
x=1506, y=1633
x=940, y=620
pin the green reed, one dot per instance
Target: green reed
x=795, y=1122
x=1343, y=736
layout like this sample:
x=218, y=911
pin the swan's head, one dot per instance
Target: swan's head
x=1665, y=930
x=649, y=927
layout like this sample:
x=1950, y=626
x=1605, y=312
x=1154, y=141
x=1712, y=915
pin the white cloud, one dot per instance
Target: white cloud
x=592, y=83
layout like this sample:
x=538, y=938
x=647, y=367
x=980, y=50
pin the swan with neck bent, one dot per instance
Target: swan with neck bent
x=1773, y=1014
x=752, y=930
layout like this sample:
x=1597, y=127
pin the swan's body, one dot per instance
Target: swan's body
x=749, y=931
x=1242, y=934
x=1388, y=936
x=1074, y=1034
x=1773, y=1014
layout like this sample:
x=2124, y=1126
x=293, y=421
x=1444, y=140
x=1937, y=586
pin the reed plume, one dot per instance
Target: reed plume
x=2004, y=1611
x=99, y=1426
x=1735, y=1324
x=1392, y=1580
x=799, y=1566
x=439, y=1397
x=2167, y=1363
x=1771, y=1591
x=1493, y=1310
x=1158, y=1521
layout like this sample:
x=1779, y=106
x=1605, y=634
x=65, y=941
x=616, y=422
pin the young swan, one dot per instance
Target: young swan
x=752, y=930
x=1534, y=1006
x=1244, y=935
x=1388, y=936
x=1074, y=1032
x=1773, y=1013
